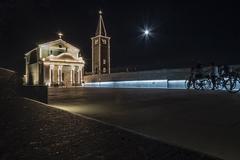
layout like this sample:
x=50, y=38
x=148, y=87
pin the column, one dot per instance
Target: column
x=26, y=71
x=59, y=74
x=78, y=76
x=81, y=75
x=44, y=78
x=51, y=74
x=61, y=79
x=72, y=74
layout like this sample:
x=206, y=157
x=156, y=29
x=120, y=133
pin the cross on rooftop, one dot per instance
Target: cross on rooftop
x=60, y=35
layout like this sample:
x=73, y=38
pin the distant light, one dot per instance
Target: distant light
x=146, y=32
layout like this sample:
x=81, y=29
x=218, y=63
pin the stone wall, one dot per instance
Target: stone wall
x=10, y=83
x=163, y=74
x=33, y=74
x=5, y=74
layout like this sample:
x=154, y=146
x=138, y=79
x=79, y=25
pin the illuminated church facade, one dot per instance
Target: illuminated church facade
x=55, y=63
x=58, y=63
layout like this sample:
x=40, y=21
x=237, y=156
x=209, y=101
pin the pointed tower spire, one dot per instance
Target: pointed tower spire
x=101, y=30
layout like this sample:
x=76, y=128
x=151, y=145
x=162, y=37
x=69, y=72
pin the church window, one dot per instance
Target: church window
x=104, y=70
x=96, y=41
x=60, y=46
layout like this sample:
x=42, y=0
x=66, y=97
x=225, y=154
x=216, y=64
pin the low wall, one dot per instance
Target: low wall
x=5, y=74
x=39, y=93
x=164, y=74
x=164, y=84
x=10, y=84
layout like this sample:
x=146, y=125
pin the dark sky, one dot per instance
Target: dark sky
x=183, y=32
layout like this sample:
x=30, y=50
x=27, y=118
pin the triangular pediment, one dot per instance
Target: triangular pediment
x=63, y=56
x=58, y=43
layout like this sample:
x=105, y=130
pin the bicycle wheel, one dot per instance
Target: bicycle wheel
x=197, y=85
x=232, y=85
x=219, y=84
x=207, y=84
x=236, y=86
x=237, y=89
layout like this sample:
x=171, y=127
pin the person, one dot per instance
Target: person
x=191, y=77
x=214, y=74
x=221, y=70
x=231, y=72
x=225, y=72
x=198, y=71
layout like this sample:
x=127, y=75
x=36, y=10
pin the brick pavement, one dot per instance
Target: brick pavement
x=30, y=130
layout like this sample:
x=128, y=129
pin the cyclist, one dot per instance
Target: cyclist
x=221, y=71
x=231, y=72
x=198, y=74
x=226, y=71
x=191, y=77
x=214, y=74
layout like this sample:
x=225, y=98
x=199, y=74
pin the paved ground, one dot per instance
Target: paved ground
x=204, y=121
x=32, y=131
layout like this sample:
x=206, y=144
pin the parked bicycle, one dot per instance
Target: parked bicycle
x=202, y=84
x=229, y=82
x=198, y=84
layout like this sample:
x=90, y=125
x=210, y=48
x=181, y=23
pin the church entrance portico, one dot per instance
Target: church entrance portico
x=63, y=75
x=63, y=70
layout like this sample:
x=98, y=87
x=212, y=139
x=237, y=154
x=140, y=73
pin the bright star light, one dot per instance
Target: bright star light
x=146, y=32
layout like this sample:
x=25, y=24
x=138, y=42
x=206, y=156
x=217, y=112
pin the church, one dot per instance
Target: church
x=59, y=63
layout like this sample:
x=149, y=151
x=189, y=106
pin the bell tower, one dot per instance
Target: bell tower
x=101, y=49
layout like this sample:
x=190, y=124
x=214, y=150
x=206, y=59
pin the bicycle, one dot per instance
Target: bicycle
x=202, y=84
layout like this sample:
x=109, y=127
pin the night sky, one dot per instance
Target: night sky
x=183, y=33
